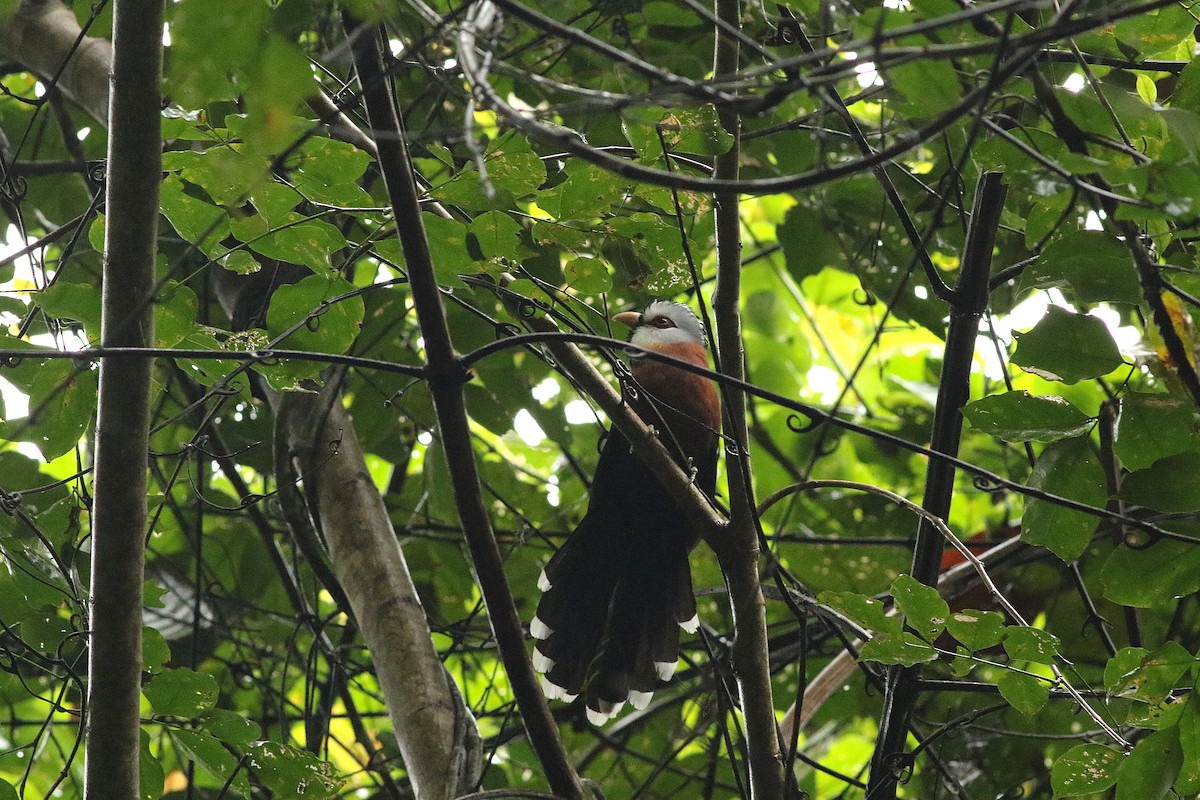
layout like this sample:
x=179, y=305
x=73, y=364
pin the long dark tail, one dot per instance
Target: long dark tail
x=609, y=618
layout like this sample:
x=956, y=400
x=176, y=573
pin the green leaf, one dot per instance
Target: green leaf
x=1147, y=577
x=1148, y=772
x=223, y=173
x=1157, y=716
x=864, y=611
x=498, y=234
x=645, y=250
x=587, y=192
x=278, y=80
x=1188, y=782
x=1153, y=677
x=1186, y=95
x=1170, y=484
x=1085, y=769
x=808, y=245
x=1122, y=664
x=288, y=772
x=513, y=167
x=72, y=301
x=325, y=321
x=44, y=629
x=1027, y=693
x=977, y=630
x=150, y=771
x=327, y=171
x=230, y=727
x=684, y=130
x=210, y=39
x=1147, y=89
x=1072, y=470
x=903, y=648
x=274, y=200
x=1021, y=417
x=293, y=239
x=1067, y=347
x=197, y=221
x=1044, y=217
x=513, y=171
x=175, y=311
x=1153, y=426
x=211, y=755
x=155, y=650
x=587, y=275
x=1030, y=644
x=181, y=692
x=447, y=245
x=1155, y=31
x=1097, y=267
x=7, y=791
x=924, y=609
x=62, y=402
x=929, y=86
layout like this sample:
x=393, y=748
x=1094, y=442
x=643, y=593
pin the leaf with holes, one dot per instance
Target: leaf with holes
x=1031, y=644
x=862, y=610
x=1149, y=677
x=1085, y=769
x=977, y=630
x=924, y=609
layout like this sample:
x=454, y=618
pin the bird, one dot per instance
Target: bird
x=617, y=592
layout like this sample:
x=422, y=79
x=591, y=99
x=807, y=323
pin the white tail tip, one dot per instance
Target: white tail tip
x=640, y=700
x=555, y=692
x=692, y=625
x=541, y=662
x=665, y=669
x=539, y=629
x=544, y=582
x=606, y=712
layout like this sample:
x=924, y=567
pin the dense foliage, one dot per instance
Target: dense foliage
x=566, y=155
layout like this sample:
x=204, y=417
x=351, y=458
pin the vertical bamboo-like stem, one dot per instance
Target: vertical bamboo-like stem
x=446, y=376
x=738, y=550
x=967, y=306
x=123, y=416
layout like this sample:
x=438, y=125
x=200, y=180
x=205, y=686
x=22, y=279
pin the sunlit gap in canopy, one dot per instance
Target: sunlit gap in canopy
x=1074, y=82
x=865, y=73
x=25, y=280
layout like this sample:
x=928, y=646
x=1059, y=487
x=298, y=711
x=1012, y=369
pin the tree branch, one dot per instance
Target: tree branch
x=446, y=376
x=738, y=548
x=436, y=733
x=970, y=301
x=45, y=36
x=123, y=416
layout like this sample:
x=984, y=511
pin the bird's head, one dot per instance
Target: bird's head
x=663, y=323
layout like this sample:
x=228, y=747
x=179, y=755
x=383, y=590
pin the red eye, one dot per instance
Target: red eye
x=662, y=322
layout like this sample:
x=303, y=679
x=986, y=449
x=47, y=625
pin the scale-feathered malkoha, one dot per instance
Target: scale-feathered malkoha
x=619, y=589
